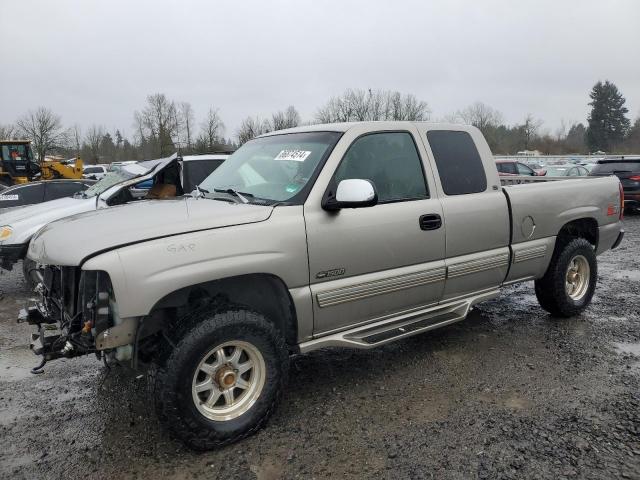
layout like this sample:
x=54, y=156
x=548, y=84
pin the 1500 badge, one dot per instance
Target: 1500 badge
x=336, y=272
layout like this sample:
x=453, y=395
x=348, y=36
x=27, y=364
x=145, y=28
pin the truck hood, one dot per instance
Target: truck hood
x=71, y=240
x=25, y=221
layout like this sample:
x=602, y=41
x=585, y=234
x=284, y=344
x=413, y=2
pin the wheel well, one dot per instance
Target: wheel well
x=586, y=228
x=263, y=293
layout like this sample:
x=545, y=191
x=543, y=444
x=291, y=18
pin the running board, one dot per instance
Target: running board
x=400, y=326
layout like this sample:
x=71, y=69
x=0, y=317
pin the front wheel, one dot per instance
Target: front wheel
x=223, y=379
x=568, y=285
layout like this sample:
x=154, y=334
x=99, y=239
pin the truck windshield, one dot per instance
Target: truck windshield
x=274, y=168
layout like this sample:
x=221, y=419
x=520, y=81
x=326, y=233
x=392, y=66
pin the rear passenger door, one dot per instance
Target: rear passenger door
x=476, y=215
x=373, y=263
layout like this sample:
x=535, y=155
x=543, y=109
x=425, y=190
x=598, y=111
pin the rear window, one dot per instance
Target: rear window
x=458, y=161
x=611, y=167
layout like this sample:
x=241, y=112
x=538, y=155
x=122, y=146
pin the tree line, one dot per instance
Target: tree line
x=164, y=125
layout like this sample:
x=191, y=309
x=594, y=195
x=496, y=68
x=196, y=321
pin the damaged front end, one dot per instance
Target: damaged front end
x=74, y=315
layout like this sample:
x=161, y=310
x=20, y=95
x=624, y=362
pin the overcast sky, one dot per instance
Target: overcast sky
x=95, y=61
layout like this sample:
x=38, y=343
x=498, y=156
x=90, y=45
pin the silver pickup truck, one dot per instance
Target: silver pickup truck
x=351, y=235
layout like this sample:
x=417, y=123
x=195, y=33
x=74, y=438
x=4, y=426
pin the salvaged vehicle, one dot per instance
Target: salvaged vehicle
x=168, y=177
x=350, y=235
x=37, y=192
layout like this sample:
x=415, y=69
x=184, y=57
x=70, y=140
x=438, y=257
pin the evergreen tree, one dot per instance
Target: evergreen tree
x=608, y=124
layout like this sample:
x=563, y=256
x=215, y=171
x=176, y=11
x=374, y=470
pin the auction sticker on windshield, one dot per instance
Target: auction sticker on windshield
x=296, y=155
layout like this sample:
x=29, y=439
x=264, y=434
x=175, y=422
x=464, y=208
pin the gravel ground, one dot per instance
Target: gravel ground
x=509, y=393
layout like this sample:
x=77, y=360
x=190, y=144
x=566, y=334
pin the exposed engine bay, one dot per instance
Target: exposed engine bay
x=75, y=307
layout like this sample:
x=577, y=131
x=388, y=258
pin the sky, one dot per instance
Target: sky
x=94, y=62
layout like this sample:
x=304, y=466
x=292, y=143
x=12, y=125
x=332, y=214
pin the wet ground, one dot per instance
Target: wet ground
x=509, y=393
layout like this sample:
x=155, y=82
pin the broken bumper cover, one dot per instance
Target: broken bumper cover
x=10, y=254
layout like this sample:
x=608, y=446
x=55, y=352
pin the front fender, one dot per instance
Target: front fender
x=145, y=272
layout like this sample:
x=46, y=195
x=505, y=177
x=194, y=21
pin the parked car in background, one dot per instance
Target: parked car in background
x=195, y=168
x=38, y=192
x=95, y=172
x=116, y=165
x=171, y=177
x=627, y=169
x=510, y=167
x=565, y=171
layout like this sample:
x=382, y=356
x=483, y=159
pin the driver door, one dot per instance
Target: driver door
x=375, y=262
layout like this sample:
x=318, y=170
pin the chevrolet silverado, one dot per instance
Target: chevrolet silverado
x=349, y=235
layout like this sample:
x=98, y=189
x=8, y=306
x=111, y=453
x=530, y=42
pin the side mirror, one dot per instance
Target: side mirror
x=352, y=193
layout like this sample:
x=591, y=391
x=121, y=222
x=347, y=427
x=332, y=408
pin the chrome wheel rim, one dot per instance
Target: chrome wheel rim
x=577, y=278
x=228, y=380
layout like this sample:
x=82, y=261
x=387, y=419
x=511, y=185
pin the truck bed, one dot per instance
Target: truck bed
x=550, y=203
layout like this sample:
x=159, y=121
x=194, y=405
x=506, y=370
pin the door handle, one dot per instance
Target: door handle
x=431, y=221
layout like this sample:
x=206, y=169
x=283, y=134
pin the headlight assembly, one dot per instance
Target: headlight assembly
x=5, y=232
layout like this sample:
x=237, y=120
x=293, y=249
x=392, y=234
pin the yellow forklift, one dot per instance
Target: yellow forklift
x=17, y=165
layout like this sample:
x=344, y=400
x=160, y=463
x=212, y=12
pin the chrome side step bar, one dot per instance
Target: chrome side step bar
x=400, y=326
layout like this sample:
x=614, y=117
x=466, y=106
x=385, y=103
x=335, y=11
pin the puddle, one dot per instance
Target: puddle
x=16, y=363
x=626, y=275
x=627, y=348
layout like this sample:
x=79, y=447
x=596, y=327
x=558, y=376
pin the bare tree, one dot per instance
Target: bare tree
x=530, y=129
x=211, y=131
x=8, y=131
x=250, y=128
x=44, y=129
x=360, y=105
x=561, y=131
x=75, y=139
x=158, y=124
x=186, y=123
x=285, y=119
x=481, y=116
x=92, y=141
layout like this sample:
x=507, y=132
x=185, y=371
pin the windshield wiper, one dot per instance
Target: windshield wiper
x=241, y=195
x=200, y=191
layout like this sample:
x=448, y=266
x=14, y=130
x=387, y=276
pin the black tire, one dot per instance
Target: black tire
x=32, y=274
x=550, y=289
x=172, y=379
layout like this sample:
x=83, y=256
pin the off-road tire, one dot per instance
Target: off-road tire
x=171, y=380
x=550, y=289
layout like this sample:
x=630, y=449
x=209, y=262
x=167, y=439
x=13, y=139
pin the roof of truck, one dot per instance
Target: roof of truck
x=343, y=127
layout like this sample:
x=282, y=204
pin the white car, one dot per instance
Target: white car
x=95, y=172
x=166, y=177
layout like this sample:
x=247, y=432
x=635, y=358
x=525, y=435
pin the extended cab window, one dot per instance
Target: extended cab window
x=458, y=161
x=390, y=161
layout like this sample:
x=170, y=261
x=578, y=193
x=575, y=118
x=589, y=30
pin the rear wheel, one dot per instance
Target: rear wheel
x=568, y=285
x=223, y=379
